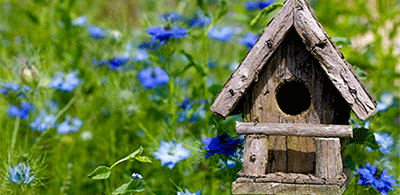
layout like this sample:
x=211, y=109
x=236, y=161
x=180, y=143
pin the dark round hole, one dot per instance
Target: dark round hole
x=293, y=97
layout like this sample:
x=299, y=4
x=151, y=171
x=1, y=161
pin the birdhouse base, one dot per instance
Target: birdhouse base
x=291, y=183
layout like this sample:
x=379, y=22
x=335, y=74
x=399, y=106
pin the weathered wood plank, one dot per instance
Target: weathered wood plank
x=322, y=49
x=249, y=69
x=295, y=129
x=284, y=188
x=328, y=160
x=255, y=155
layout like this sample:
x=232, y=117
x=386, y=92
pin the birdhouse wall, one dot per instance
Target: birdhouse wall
x=292, y=88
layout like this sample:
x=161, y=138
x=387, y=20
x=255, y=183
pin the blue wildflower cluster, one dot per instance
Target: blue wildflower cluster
x=14, y=88
x=164, y=34
x=137, y=176
x=96, y=32
x=69, y=125
x=20, y=174
x=199, y=21
x=255, y=5
x=171, y=153
x=222, y=144
x=192, y=111
x=221, y=34
x=151, y=78
x=21, y=111
x=67, y=83
x=378, y=180
x=43, y=121
x=249, y=40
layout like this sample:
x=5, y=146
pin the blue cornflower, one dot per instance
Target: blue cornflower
x=80, y=21
x=221, y=34
x=164, y=34
x=385, y=142
x=116, y=62
x=96, y=32
x=220, y=145
x=171, y=153
x=137, y=176
x=22, y=111
x=151, y=78
x=249, y=40
x=386, y=101
x=43, y=121
x=188, y=193
x=67, y=84
x=380, y=181
x=199, y=21
x=254, y=5
x=69, y=125
x=172, y=17
x=21, y=174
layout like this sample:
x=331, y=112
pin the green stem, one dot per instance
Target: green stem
x=140, y=124
x=116, y=163
x=172, y=106
x=15, y=132
x=61, y=112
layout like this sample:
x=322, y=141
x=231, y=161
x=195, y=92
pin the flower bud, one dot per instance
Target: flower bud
x=29, y=75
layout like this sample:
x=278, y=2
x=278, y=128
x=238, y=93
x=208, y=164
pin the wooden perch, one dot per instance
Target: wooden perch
x=295, y=129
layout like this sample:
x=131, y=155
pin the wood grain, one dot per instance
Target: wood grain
x=295, y=129
x=328, y=160
x=249, y=69
x=321, y=47
x=255, y=155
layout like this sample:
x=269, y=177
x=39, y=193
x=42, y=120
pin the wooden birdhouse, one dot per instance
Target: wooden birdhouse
x=295, y=91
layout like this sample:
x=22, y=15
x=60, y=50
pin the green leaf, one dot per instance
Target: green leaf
x=264, y=12
x=365, y=137
x=341, y=40
x=99, y=173
x=143, y=159
x=135, y=153
x=133, y=186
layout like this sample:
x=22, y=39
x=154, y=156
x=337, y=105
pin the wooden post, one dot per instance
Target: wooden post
x=328, y=163
x=255, y=155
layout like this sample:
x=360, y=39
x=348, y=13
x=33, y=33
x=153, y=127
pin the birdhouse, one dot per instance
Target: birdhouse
x=295, y=91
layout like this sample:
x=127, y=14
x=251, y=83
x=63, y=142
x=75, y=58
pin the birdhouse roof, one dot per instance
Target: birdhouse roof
x=298, y=15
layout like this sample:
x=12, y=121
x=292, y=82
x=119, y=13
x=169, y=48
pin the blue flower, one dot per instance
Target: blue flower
x=380, y=181
x=22, y=111
x=221, y=34
x=199, y=21
x=151, y=45
x=21, y=174
x=151, y=78
x=69, y=125
x=188, y=193
x=116, y=62
x=43, y=121
x=96, y=32
x=386, y=101
x=221, y=145
x=385, y=141
x=80, y=21
x=8, y=88
x=249, y=40
x=254, y=5
x=164, y=34
x=172, y=17
x=137, y=176
x=171, y=153
x=67, y=84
